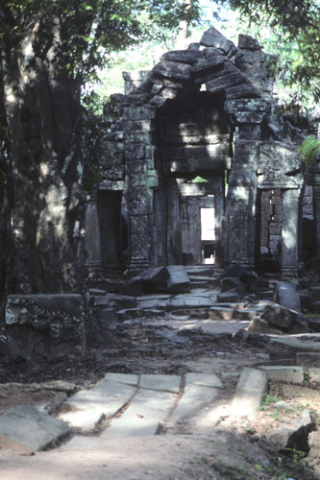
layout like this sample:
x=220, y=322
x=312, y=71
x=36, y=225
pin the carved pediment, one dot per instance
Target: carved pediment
x=278, y=165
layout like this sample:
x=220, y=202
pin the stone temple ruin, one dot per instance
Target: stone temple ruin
x=202, y=170
x=197, y=170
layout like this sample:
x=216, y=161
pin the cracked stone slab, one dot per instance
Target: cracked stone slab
x=147, y=410
x=169, y=383
x=284, y=374
x=124, y=378
x=88, y=406
x=252, y=385
x=27, y=426
x=194, y=398
x=203, y=379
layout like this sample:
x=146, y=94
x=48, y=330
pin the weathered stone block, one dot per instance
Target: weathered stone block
x=173, y=70
x=137, y=137
x=213, y=38
x=138, y=126
x=178, y=281
x=243, y=90
x=278, y=315
x=61, y=315
x=139, y=113
x=183, y=56
x=287, y=296
x=229, y=283
x=157, y=101
x=251, y=105
x=147, y=281
x=27, y=426
x=226, y=81
x=135, y=152
x=248, y=42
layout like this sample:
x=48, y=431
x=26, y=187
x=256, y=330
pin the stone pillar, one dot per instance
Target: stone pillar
x=141, y=179
x=240, y=226
x=240, y=215
x=316, y=195
x=249, y=116
x=92, y=238
x=290, y=216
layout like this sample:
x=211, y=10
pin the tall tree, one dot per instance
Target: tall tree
x=47, y=51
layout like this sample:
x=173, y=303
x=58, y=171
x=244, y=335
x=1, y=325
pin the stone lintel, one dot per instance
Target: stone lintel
x=252, y=105
x=139, y=113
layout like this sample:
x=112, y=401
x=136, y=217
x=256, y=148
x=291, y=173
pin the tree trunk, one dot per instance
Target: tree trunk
x=41, y=102
x=182, y=39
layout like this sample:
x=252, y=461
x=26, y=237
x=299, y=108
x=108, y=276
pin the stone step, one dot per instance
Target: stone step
x=290, y=347
x=148, y=409
x=149, y=401
x=201, y=270
x=87, y=407
x=218, y=313
x=251, y=387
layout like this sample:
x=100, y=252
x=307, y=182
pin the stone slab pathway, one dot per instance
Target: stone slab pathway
x=135, y=405
x=27, y=426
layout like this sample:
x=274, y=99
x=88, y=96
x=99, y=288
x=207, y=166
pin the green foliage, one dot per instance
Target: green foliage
x=295, y=26
x=310, y=149
x=92, y=29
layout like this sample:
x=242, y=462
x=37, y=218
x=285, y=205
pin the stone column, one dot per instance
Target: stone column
x=240, y=214
x=316, y=195
x=240, y=226
x=290, y=216
x=141, y=179
x=92, y=238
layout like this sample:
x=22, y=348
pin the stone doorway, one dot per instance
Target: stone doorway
x=112, y=229
x=269, y=229
x=198, y=229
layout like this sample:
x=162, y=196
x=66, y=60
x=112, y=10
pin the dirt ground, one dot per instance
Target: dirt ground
x=208, y=445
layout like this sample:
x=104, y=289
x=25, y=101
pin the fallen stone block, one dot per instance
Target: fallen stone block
x=284, y=374
x=230, y=297
x=27, y=426
x=178, y=281
x=231, y=283
x=147, y=281
x=314, y=375
x=258, y=325
x=294, y=435
x=108, y=318
x=61, y=316
x=286, y=295
x=213, y=38
x=308, y=359
x=251, y=387
x=288, y=348
x=278, y=316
